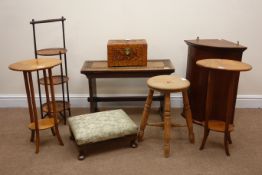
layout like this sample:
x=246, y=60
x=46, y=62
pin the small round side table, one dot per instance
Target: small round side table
x=230, y=70
x=51, y=121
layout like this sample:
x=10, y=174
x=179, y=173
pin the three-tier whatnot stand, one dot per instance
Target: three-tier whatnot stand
x=62, y=79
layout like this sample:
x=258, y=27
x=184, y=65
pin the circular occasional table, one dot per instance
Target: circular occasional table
x=230, y=70
x=50, y=121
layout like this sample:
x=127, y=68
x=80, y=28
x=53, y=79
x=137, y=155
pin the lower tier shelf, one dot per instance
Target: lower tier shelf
x=45, y=123
x=59, y=106
x=57, y=79
x=219, y=126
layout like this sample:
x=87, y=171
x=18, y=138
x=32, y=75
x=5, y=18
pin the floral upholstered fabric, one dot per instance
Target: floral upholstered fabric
x=101, y=126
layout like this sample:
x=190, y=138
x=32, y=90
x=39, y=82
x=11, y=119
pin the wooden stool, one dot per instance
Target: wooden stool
x=167, y=84
x=51, y=121
x=218, y=68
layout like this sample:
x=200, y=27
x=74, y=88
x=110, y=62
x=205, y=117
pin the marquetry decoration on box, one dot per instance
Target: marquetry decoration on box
x=127, y=53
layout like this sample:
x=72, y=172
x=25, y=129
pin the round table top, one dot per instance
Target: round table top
x=168, y=83
x=35, y=64
x=224, y=64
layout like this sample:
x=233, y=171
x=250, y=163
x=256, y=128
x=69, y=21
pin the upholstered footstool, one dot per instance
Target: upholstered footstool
x=101, y=126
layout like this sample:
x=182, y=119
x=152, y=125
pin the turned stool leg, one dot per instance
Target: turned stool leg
x=145, y=115
x=188, y=115
x=167, y=125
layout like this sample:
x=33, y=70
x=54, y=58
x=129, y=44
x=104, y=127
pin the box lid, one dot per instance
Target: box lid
x=126, y=41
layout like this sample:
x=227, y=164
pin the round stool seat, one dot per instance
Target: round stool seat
x=168, y=83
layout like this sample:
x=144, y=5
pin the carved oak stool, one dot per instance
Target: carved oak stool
x=101, y=126
x=167, y=84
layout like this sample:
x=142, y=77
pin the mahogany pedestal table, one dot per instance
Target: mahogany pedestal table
x=232, y=69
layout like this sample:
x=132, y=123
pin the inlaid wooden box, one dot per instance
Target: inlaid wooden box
x=127, y=53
